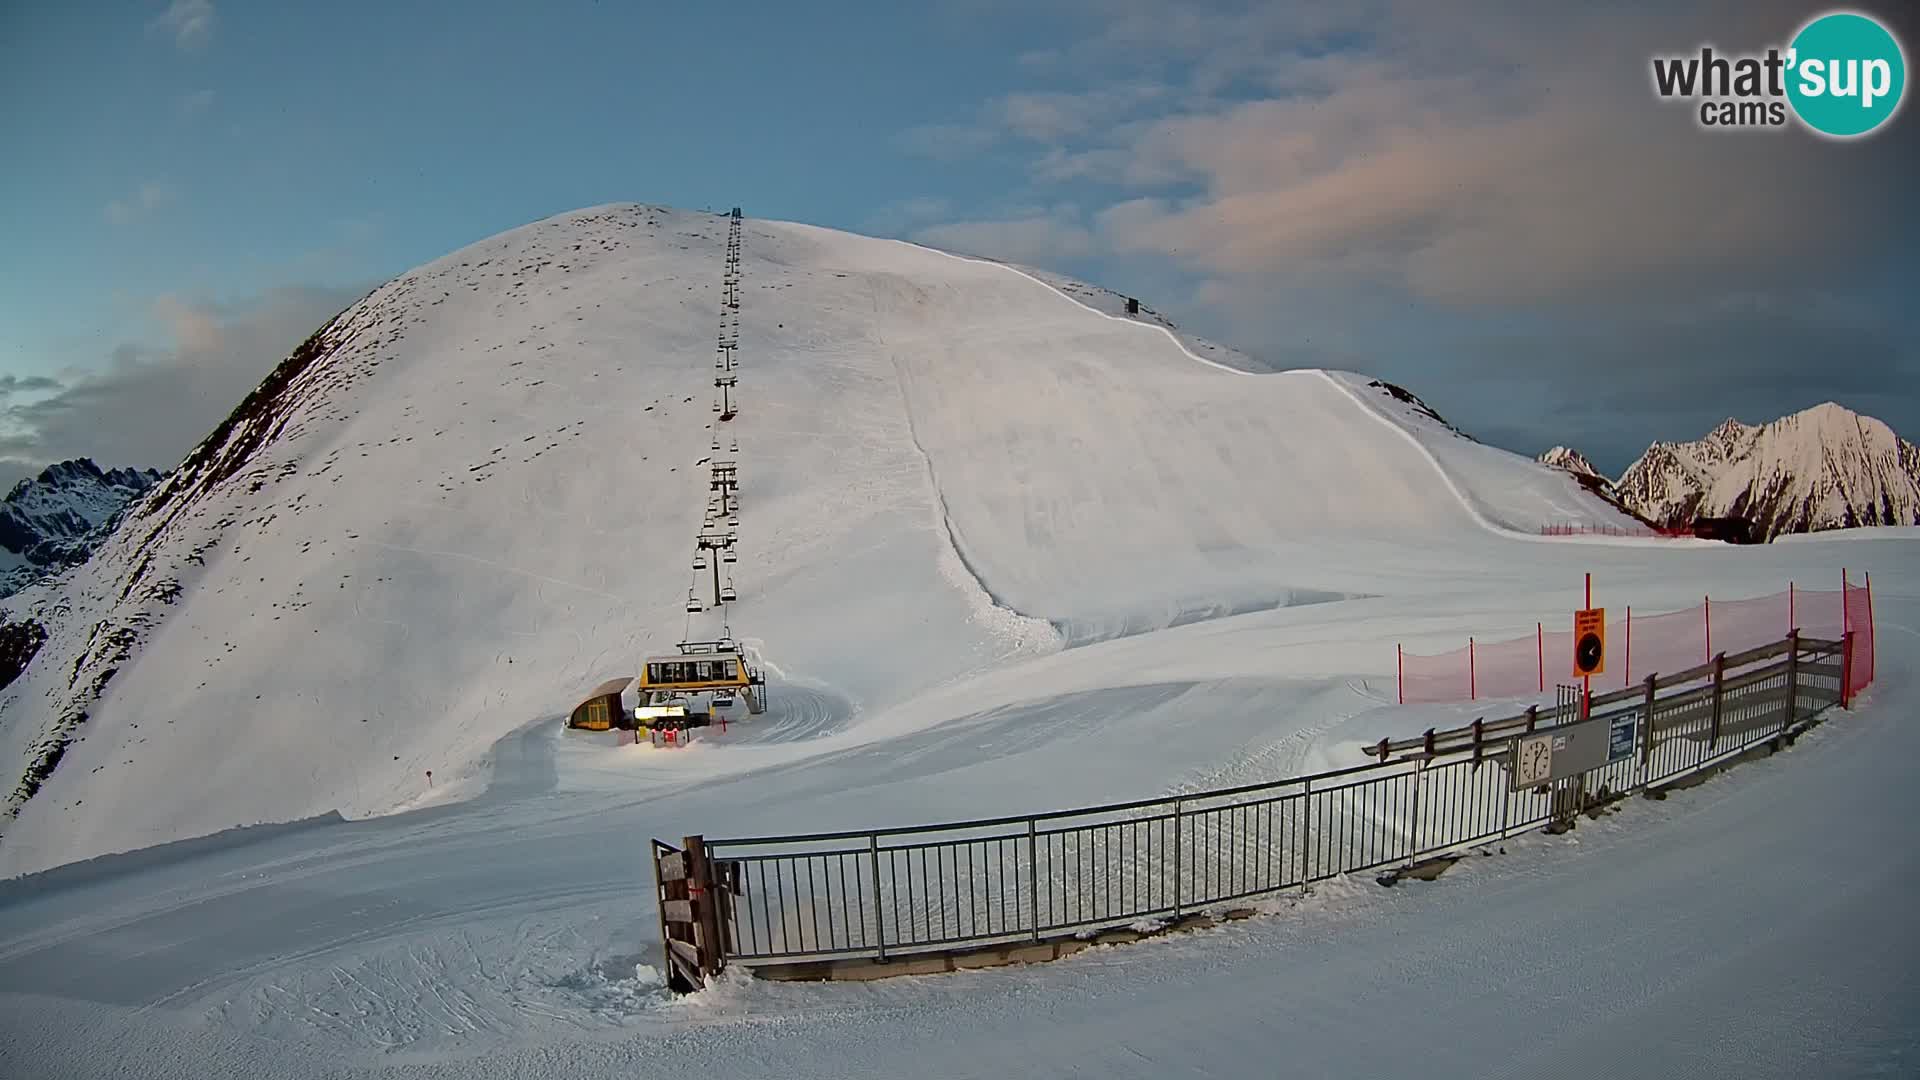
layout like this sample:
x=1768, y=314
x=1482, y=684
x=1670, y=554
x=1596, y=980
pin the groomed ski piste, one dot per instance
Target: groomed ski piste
x=1004, y=550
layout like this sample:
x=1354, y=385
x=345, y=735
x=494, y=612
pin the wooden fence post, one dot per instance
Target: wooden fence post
x=706, y=911
x=661, y=895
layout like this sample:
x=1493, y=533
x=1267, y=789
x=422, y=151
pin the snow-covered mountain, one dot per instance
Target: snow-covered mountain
x=54, y=521
x=1825, y=467
x=474, y=494
x=1575, y=462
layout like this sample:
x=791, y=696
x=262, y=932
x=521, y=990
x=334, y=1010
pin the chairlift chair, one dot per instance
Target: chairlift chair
x=700, y=559
x=727, y=556
x=693, y=602
x=727, y=595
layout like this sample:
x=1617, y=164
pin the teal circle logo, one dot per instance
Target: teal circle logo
x=1846, y=75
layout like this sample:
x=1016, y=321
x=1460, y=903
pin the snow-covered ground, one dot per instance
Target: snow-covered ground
x=480, y=501
x=918, y=433
x=1753, y=926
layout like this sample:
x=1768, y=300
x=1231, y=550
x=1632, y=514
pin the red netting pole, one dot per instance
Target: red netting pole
x=1846, y=623
x=1400, y=672
x=1626, y=677
x=1873, y=637
x=1473, y=687
x=1706, y=620
x=1540, y=652
x=1790, y=615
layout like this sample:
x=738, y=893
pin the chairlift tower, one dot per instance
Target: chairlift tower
x=726, y=482
x=725, y=384
x=721, y=543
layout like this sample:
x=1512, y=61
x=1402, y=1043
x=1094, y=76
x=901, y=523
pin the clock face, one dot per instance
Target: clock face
x=1533, y=761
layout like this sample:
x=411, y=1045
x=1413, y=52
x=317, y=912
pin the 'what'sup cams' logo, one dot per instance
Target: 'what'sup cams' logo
x=1843, y=75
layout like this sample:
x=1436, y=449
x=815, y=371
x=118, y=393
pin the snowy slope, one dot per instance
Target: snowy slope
x=54, y=520
x=1503, y=490
x=472, y=495
x=1821, y=468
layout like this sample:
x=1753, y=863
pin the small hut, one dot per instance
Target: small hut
x=601, y=709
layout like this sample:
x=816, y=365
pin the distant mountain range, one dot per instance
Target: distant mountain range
x=55, y=520
x=1822, y=468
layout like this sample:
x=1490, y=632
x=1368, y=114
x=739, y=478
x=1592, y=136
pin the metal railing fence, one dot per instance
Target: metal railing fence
x=885, y=892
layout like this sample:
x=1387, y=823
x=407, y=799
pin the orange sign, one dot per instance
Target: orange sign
x=1590, y=642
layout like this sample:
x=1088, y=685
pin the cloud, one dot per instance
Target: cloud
x=194, y=103
x=1051, y=118
x=151, y=196
x=189, y=21
x=898, y=217
x=147, y=406
x=946, y=142
x=1036, y=237
x=1450, y=170
x=1397, y=141
x=16, y=384
x=10, y=386
x=1610, y=379
x=1057, y=116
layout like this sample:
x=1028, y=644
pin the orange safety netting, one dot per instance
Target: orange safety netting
x=1643, y=645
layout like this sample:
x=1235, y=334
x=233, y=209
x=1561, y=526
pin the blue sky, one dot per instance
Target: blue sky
x=1506, y=222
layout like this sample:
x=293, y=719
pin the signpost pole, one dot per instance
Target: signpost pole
x=1586, y=681
x=1626, y=677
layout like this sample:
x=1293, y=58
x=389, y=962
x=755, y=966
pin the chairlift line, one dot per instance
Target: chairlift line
x=714, y=548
